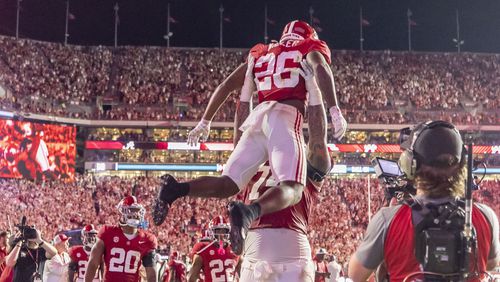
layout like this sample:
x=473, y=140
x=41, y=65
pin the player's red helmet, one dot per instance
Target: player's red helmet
x=174, y=256
x=297, y=30
x=132, y=212
x=220, y=228
x=89, y=235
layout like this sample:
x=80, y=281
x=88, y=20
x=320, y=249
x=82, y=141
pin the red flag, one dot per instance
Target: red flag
x=71, y=17
x=172, y=20
x=269, y=21
x=227, y=19
x=412, y=22
x=365, y=22
x=316, y=20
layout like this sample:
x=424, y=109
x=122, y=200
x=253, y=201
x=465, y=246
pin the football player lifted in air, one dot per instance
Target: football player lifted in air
x=272, y=132
x=276, y=247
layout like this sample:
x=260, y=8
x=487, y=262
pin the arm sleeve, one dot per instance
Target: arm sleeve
x=147, y=260
x=493, y=220
x=371, y=250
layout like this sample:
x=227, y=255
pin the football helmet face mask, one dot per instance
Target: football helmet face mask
x=132, y=212
x=219, y=227
x=297, y=30
x=89, y=235
x=207, y=236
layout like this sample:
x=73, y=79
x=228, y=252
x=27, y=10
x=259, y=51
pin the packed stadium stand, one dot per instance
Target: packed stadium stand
x=150, y=83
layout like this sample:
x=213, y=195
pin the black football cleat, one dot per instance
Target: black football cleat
x=160, y=211
x=240, y=217
x=170, y=190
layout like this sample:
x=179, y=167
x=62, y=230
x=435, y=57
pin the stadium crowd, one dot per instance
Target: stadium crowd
x=175, y=84
x=337, y=222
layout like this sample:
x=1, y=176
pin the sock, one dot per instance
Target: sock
x=173, y=193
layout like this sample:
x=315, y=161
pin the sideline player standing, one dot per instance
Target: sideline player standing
x=273, y=131
x=80, y=256
x=123, y=247
x=176, y=268
x=215, y=257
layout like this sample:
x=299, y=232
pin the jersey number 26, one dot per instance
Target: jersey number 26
x=275, y=68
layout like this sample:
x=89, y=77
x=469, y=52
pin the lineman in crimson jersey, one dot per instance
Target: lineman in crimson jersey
x=176, y=269
x=214, y=259
x=273, y=130
x=80, y=256
x=124, y=246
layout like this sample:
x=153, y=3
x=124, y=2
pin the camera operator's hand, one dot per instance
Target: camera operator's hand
x=18, y=237
x=38, y=238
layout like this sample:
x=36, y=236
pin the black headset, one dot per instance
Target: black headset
x=408, y=161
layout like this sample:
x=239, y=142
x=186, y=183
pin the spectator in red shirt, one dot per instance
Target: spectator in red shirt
x=3, y=250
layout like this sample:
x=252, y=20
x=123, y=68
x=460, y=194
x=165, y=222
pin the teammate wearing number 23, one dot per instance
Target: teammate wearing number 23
x=124, y=247
x=214, y=258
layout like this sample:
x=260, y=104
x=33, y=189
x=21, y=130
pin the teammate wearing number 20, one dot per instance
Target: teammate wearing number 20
x=123, y=247
x=280, y=73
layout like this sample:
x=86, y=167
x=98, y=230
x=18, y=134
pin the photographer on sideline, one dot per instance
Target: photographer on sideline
x=434, y=159
x=27, y=255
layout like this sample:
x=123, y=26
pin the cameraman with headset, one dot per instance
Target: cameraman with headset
x=28, y=252
x=434, y=160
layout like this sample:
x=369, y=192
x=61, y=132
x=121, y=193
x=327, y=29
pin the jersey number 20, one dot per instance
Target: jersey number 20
x=122, y=261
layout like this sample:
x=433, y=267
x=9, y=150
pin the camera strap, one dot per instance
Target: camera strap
x=34, y=258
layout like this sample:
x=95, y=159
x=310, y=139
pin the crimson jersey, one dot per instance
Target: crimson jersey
x=81, y=257
x=276, y=68
x=123, y=256
x=179, y=271
x=295, y=217
x=216, y=267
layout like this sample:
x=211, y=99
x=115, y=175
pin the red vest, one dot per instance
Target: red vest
x=400, y=244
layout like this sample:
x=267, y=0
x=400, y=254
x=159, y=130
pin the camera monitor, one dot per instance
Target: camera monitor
x=386, y=168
